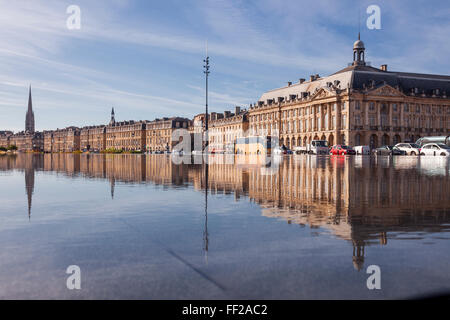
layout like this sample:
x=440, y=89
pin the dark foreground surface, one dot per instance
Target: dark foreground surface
x=141, y=227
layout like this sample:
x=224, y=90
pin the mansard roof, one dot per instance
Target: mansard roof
x=361, y=78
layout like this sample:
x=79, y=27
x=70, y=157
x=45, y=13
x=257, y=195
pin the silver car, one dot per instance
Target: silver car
x=411, y=149
x=435, y=149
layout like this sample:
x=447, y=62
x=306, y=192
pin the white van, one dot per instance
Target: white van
x=362, y=150
x=318, y=147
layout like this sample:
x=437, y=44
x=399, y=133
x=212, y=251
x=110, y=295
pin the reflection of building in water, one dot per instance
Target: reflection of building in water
x=29, y=181
x=28, y=163
x=68, y=164
x=359, y=199
x=356, y=204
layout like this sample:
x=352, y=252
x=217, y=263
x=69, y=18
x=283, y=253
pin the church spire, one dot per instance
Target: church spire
x=113, y=118
x=29, y=119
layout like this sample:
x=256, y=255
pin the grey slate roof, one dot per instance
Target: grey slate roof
x=365, y=77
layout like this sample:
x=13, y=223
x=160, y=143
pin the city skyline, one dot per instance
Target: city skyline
x=66, y=74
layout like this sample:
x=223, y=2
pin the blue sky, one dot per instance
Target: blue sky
x=145, y=57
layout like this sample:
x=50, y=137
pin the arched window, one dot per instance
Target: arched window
x=357, y=139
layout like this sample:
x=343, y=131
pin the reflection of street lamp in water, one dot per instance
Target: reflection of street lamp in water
x=205, y=232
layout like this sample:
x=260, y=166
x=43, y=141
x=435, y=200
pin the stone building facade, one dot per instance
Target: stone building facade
x=224, y=128
x=62, y=140
x=27, y=141
x=358, y=105
x=48, y=141
x=5, y=138
x=159, y=133
x=126, y=136
x=93, y=138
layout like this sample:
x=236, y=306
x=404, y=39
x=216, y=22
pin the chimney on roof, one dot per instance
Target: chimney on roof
x=289, y=83
x=237, y=110
x=383, y=67
x=316, y=77
x=227, y=114
x=301, y=80
x=311, y=78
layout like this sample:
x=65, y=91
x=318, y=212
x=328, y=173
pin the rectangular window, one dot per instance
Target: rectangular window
x=357, y=105
x=395, y=121
x=406, y=107
x=372, y=106
x=394, y=107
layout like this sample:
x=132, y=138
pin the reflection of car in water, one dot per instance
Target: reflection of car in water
x=389, y=151
x=433, y=166
x=435, y=149
x=253, y=145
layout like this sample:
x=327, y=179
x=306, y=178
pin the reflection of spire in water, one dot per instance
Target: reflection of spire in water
x=358, y=254
x=205, y=233
x=29, y=186
x=113, y=185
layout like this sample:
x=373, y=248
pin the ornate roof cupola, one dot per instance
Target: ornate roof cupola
x=29, y=118
x=113, y=118
x=358, y=52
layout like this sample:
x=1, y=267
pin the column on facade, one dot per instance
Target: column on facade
x=378, y=106
x=390, y=114
x=366, y=113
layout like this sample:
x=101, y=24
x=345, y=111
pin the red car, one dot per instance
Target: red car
x=341, y=150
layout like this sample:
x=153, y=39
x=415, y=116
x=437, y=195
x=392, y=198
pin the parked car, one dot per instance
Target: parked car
x=435, y=149
x=280, y=150
x=342, y=150
x=389, y=151
x=317, y=147
x=438, y=139
x=364, y=150
x=299, y=150
x=411, y=149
